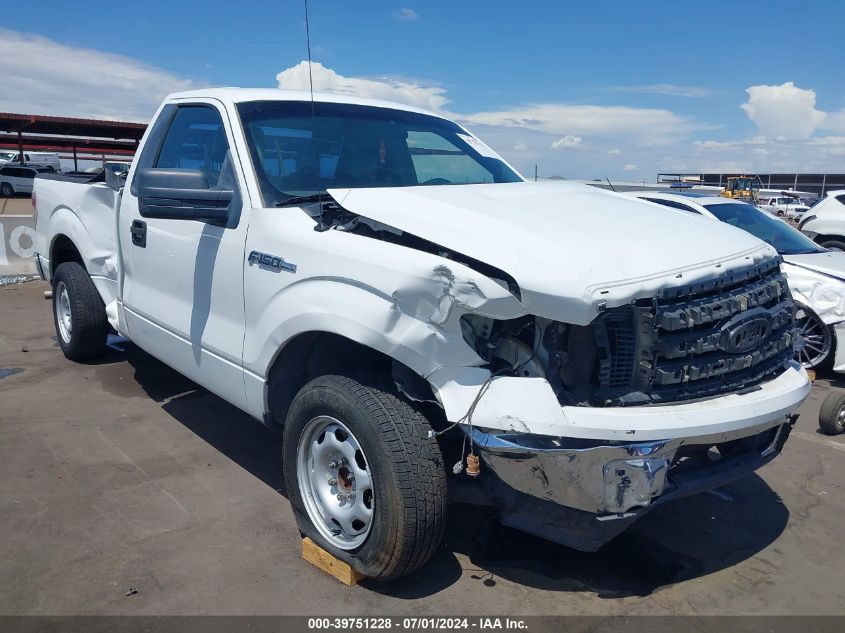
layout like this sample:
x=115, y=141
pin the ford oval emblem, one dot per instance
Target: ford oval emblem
x=746, y=332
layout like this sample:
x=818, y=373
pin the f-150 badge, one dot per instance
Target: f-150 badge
x=272, y=262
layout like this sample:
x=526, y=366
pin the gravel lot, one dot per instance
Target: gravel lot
x=122, y=474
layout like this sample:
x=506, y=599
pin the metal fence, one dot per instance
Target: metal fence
x=813, y=183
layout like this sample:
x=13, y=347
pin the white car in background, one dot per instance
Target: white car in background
x=15, y=179
x=796, y=212
x=49, y=160
x=816, y=276
x=783, y=206
x=825, y=224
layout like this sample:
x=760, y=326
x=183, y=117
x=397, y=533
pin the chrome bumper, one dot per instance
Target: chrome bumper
x=611, y=478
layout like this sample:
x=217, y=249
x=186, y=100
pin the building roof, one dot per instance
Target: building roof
x=67, y=126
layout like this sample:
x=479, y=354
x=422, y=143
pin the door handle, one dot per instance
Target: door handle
x=139, y=233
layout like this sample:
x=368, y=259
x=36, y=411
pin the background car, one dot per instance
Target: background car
x=796, y=211
x=825, y=223
x=781, y=206
x=816, y=276
x=16, y=179
x=50, y=160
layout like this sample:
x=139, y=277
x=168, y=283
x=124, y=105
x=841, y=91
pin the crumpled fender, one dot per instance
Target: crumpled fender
x=823, y=294
x=411, y=315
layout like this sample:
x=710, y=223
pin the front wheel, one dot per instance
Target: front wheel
x=6, y=190
x=78, y=313
x=818, y=338
x=365, y=481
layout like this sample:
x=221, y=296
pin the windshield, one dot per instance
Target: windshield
x=342, y=145
x=785, y=239
x=8, y=155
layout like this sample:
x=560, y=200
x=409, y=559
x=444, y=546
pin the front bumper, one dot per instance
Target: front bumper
x=582, y=494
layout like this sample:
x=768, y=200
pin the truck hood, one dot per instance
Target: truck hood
x=828, y=263
x=569, y=247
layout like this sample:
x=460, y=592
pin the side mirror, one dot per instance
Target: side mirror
x=184, y=194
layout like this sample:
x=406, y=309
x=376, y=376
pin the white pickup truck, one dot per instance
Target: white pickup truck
x=381, y=286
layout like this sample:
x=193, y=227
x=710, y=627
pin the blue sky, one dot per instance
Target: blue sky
x=616, y=89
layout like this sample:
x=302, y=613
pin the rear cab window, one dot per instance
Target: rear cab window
x=673, y=204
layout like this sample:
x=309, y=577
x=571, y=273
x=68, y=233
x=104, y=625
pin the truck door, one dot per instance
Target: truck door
x=183, y=278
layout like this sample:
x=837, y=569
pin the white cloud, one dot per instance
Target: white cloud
x=835, y=122
x=406, y=15
x=718, y=146
x=671, y=90
x=41, y=76
x=615, y=151
x=567, y=141
x=631, y=167
x=391, y=89
x=783, y=111
x=647, y=126
x=830, y=145
x=520, y=147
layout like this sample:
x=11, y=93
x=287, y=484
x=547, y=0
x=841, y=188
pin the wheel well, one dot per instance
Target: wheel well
x=63, y=250
x=818, y=239
x=314, y=354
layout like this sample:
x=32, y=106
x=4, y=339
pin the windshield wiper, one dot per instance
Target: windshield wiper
x=295, y=200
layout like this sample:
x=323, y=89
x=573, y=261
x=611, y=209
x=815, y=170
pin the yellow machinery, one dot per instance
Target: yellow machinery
x=742, y=188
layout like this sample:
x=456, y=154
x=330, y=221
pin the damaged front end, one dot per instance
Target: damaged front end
x=583, y=493
x=659, y=399
x=589, y=410
x=689, y=342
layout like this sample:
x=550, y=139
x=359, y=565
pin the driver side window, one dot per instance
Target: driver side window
x=196, y=139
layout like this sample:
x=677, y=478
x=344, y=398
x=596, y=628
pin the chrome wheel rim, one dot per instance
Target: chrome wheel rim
x=817, y=338
x=62, y=307
x=335, y=482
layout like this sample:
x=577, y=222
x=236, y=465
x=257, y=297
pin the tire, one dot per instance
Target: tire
x=818, y=339
x=6, y=190
x=78, y=313
x=834, y=245
x=832, y=414
x=400, y=507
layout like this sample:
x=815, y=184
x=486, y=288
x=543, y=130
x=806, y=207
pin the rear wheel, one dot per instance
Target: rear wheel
x=832, y=414
x=6, y=190
x=78, y=313
x=365, y=481
x=818, y=338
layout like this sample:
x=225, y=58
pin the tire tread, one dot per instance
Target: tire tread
x=90, y=324
x=417, y=465
x=829, y=414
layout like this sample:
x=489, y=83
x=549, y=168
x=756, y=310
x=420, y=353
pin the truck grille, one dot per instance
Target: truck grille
x=699, y=340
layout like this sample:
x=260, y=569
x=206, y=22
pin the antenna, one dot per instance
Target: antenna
x=308, y=41
x=611, y=185
x=313, y=113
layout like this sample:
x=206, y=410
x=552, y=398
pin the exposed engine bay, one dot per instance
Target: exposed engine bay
x=565, y=355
